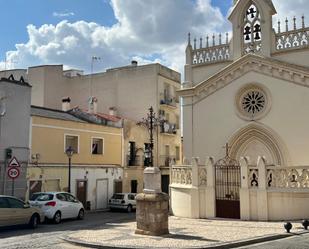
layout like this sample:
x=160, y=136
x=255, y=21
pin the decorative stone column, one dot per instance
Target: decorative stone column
x=262, y=198
x=152, y=205
x=244, y=192
x=210, y=189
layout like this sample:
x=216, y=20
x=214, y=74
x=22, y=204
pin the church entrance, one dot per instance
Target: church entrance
x=227, y=182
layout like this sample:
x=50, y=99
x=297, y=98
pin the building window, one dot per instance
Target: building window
x=97, y=146
x=133, y=186
x=71, y=141
x=177, y=153
x=132, y=154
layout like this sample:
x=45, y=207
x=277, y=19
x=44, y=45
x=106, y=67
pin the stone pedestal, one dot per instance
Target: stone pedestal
x=152, y=214
x=152, y=206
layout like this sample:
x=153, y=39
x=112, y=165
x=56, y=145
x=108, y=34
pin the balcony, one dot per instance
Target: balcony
x=167, y=161
x=168, y=100
x=137, y=161
x=133, y=160
x=168, y=128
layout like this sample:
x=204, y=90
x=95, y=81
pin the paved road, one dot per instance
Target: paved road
x=49, y=235
x=295, y=242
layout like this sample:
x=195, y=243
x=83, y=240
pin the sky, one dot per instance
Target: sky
x=71, y=32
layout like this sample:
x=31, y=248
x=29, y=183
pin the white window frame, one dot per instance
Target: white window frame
x=103, y=146
x=72, y=135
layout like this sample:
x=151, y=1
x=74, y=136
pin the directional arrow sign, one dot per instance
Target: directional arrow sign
x=14, y=162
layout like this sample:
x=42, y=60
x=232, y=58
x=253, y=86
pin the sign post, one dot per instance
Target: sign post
x=13, y=171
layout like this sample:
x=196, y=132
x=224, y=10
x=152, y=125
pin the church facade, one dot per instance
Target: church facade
x=245, y=120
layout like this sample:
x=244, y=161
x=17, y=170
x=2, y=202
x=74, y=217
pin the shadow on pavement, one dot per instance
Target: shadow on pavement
x=93, y=221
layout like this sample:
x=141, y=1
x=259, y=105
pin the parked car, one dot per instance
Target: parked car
x=58, y=205
x=16, y=212
x=123, y=201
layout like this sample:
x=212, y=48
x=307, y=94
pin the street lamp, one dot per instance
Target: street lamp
x=69, y=151
x=151, y=123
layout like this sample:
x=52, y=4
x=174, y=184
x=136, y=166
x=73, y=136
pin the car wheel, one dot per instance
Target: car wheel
x=57, y=217
x=81, y=214
x=129, y=209
x=34, y=221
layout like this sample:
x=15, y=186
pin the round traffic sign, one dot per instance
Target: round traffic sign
x=13, y=172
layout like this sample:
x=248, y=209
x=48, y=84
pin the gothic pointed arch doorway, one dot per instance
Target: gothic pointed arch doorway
x=257, y=140
x=227, y=184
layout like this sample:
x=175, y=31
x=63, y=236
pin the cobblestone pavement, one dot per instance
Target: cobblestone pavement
x=49, y=235
x=295, y=242
x=184, y=233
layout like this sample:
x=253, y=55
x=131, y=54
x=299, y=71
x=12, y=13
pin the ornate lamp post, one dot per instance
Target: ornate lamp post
x=151, y=123
x=69, y=151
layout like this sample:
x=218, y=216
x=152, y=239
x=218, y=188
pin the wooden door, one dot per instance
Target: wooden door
x=81, y=191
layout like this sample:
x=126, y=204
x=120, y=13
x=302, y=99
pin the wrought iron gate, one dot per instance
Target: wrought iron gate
x=227, y=178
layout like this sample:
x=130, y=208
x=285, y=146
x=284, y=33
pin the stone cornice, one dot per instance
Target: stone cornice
x=250, y=63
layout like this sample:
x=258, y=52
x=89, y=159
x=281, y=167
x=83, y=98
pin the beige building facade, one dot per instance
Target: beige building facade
x=127, y=92
x=95, y=165
x=251, y=93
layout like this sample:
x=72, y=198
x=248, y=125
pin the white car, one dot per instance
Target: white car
x=58, y=205
x=123, y=201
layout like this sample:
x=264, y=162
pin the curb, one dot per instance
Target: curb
x=225, y=245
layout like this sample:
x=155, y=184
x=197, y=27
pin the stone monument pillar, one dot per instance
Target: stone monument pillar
x=152, y=205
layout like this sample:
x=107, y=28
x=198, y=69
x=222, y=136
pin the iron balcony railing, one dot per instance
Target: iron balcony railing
x=168, y=128
x=168, y=100
x=134, y=160
x=167, y=161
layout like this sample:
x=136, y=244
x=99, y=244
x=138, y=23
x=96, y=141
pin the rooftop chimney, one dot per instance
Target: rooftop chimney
x=113, y=111
x=66, y=104
x=134, y=63
x=93, y=105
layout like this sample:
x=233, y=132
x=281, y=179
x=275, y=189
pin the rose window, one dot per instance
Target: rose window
x=253, y=102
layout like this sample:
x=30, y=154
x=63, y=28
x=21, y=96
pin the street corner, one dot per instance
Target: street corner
x=184, y=233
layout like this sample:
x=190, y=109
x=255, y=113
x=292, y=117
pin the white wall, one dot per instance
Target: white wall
x=92, y=176
x=215, y=120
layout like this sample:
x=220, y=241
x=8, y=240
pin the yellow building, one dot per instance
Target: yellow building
x=96, y=163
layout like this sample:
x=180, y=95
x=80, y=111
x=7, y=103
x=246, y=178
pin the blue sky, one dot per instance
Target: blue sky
x=17, y=14
x=39, y=12
x=70, y=32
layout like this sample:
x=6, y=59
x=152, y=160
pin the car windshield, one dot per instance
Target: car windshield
x=118, y=196
x=41, y=197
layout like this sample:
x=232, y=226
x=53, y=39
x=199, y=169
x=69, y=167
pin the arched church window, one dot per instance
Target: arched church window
x=252, y=30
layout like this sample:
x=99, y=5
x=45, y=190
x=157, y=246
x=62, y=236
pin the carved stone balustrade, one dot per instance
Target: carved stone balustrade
x=292, y=39
x=181, y=175
x=213, y=54
x=288, y=177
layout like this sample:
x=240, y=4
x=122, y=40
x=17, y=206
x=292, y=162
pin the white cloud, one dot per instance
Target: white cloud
x=152, y=31
x=149, y=31
x=63, y=14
